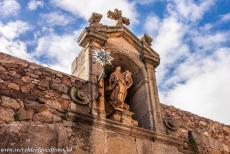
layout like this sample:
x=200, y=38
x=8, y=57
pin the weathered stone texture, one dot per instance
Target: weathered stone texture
x=33, y=135
x=6, y=115
x=10, y=103
x=210, y=136
x=28, y=91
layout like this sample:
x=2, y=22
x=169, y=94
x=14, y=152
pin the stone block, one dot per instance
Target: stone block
x=26, y=79
x=55, y=104
x=4, y=90
x=59, y=87
x=44, y=83
x=64, y=104
x=44, y=116
x=6, y=115
x=35, y=106
x=24, y=115
x=13, y=86
x=27, y=88
x=66, y=81
x=10, y=103
x=56, y=119
x=2, y=68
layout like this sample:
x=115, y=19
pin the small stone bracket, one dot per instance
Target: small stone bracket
x=79, y=96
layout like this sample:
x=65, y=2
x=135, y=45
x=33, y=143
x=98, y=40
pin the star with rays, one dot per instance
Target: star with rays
x=103, y=57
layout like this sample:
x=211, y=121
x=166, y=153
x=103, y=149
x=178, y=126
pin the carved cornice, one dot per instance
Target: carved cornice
x=90, y=34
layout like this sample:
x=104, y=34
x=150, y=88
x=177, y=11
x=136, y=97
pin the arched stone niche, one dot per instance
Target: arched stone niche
x=137, y=97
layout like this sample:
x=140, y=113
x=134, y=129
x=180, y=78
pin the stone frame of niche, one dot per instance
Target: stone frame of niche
x=137, y=97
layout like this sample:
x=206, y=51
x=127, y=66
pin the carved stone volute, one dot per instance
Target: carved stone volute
x=79, y=96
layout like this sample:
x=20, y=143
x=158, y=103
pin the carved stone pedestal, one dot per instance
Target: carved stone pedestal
x=124, y=116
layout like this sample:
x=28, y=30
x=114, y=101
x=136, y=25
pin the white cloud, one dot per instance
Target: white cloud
x=34, y=4
x=190, y=9
x=206, y=93
x=15, y=48
x=59, y=49
x=209, y=41
x=201, y=78
x=10, y=43
x=152, y=24
x=57, y=19
x=14, y=29
x=225, y=17
x=9, y=8
x=84, y=8
x=170, y=36
x=169, y=43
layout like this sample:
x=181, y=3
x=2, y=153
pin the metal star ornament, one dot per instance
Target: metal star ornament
x=102, y=57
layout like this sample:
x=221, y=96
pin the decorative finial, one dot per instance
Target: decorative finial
x=95, y=19
x=117, y=15
x=147, y=39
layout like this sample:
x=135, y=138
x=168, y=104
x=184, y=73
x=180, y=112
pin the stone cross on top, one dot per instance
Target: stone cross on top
x=117, y=15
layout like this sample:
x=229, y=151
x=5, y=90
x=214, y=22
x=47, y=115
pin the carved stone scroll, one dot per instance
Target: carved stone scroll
x=170, y=123
x=79, y=96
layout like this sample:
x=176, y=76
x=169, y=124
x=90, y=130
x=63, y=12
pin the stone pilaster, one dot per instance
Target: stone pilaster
x=91, y=41
x=150, y=65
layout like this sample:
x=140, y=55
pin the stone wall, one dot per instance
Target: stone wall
x=30, y=92
x=210, y=136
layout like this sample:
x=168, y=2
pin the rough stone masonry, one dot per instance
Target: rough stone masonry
x=44, y=108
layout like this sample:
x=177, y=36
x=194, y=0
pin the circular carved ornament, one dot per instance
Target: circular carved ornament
x=170, y=123
x=79, y=96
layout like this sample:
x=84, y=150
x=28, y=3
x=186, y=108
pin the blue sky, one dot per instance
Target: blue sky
x=191, y=36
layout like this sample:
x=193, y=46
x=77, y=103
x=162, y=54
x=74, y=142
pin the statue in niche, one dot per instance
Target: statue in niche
x=119, y=83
